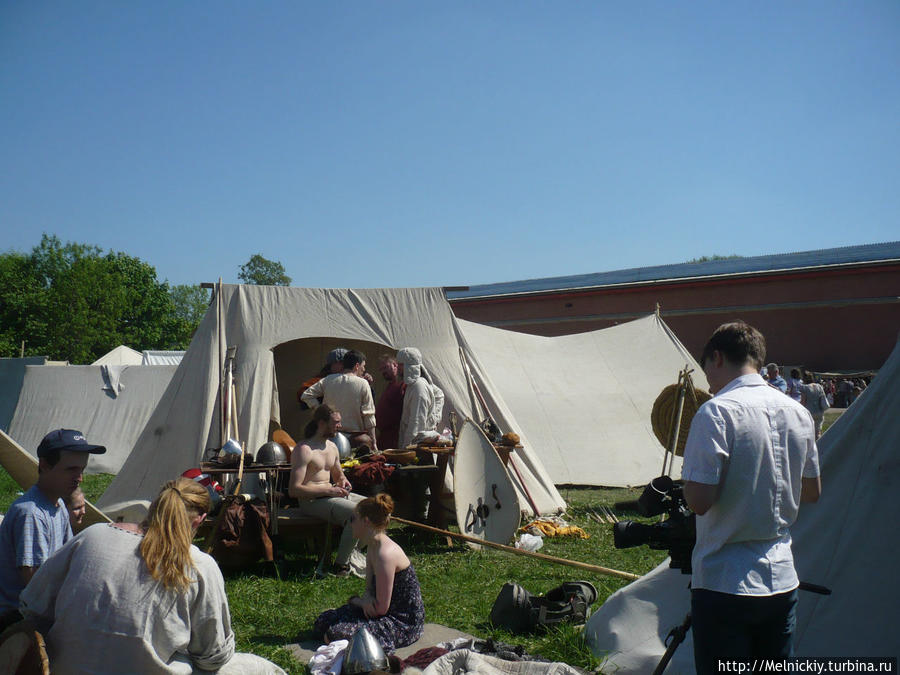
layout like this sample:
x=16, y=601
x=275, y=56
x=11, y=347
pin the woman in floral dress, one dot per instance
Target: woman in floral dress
x=391, y=607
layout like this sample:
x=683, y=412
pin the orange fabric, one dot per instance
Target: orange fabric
x=306, y=385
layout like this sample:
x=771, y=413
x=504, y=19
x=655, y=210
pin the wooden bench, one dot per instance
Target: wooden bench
x=296, y=526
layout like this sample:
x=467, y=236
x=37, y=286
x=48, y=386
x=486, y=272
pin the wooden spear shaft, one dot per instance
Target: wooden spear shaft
x=510, y=549
x=220, y=339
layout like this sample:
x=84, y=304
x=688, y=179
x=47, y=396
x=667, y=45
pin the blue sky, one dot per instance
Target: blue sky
x=367, y=144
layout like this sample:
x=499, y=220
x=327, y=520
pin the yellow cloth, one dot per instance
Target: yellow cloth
x=551, y=530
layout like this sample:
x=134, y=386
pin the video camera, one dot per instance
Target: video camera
x=676, y=533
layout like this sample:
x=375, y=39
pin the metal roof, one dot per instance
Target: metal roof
x=847, y=255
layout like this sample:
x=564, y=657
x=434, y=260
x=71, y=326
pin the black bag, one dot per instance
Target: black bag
x=512, y=609
x=569, y=602
x=518, y=611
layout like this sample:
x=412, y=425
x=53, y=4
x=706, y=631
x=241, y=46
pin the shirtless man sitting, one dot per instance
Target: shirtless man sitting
x=319, y=483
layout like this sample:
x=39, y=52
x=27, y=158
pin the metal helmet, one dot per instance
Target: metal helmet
x=343, y=445
x=364, y=654
x=271, y=453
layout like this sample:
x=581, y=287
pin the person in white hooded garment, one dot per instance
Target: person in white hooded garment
x=423, y=402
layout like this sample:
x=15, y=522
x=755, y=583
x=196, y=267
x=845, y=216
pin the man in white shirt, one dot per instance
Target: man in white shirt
x=423, y=402
x=350, y=394
x=750, y=460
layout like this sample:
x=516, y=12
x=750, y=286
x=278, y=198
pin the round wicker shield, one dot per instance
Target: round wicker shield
x=663, y=416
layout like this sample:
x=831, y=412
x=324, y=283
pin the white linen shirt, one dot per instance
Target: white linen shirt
x=419, y=412
x=347, y=393
x=755, y=443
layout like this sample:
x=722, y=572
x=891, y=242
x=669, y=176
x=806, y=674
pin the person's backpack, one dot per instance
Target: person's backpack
x=519, y=611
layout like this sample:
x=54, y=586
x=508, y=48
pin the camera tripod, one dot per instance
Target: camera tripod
x=677, y=635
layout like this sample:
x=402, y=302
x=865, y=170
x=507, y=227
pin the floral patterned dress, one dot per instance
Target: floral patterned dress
x=400, y=627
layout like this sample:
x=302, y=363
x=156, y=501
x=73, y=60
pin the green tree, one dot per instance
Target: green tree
x=263, y=272
x=21, y=293
x=70, y=301
x=707, y=258
x=190, y=303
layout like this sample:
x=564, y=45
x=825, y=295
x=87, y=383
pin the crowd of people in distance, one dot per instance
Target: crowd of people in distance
x=816, y=394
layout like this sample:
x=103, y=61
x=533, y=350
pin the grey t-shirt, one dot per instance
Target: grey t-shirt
x=32, y=530
x=100, y=610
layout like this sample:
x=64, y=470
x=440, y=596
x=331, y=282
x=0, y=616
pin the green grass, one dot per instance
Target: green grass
x=271, y=607
x=832, y=415
x=93, y=487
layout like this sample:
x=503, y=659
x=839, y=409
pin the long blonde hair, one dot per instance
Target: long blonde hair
x=166, y=547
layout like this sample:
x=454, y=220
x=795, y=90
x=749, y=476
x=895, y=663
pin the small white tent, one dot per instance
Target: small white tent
x=584, y=400
x=847, y=541
x=155, y=357
x=120, y=356
x=281, y=336
x=110, y=405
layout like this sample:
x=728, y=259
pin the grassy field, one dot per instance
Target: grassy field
x=271, y=608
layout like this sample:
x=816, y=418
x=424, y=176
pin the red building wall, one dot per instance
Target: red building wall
x=840, y=318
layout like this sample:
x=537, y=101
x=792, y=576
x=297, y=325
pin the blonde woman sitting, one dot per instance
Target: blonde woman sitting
x=119, y=599
x=391, y=607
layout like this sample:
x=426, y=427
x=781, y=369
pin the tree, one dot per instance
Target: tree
x=263, y=272
x=72, y=302
x=20, y=293
x=190, y=304
x=708, y=258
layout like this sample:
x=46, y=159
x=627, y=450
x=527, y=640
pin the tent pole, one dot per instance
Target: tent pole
x=465, y=365
x=220, y=339
x=669, y=457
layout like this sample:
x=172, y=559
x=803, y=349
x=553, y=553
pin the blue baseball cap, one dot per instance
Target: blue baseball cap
x=67, y=439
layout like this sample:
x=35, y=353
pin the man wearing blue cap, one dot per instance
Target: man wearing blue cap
x=37, y=523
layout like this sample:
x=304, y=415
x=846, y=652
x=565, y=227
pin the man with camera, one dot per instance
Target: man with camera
x=750, y=459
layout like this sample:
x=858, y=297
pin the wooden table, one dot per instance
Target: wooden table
x=437, y=517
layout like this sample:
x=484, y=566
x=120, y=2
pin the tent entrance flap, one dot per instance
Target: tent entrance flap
x=300, y=360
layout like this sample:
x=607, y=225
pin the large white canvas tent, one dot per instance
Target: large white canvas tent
x=584, y=400
x=282, y=336
x=109, y=404
x=847, y=542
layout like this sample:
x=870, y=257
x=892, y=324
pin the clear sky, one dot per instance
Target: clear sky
x=367, y=144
